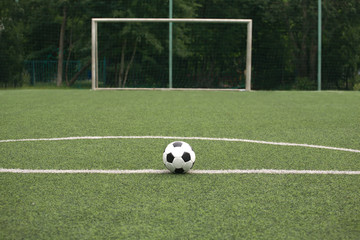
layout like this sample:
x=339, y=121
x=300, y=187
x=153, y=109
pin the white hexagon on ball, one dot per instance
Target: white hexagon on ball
x=179, y=157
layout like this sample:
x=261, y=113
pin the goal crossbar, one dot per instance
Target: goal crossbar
x=94, y=40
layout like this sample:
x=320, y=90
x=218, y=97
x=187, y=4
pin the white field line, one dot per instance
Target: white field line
x=183, y=138
x=154, y=171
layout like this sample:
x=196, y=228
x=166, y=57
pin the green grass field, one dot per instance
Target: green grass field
x=179, y=206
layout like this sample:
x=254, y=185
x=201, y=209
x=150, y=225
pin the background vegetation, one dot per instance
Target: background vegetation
x=284, y=45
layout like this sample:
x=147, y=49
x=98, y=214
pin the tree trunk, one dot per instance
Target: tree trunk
x=68, y=60
x=61, y=50
x=130, y=63
x=75, y=77
x=122, y=63
x=116, y=74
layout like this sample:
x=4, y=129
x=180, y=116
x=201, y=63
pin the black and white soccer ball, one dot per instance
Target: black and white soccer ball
x=179, y=157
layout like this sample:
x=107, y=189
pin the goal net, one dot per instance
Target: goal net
x=171, y=53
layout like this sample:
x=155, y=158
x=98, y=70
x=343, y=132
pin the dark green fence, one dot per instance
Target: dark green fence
x=44, y=72
x=41, y=72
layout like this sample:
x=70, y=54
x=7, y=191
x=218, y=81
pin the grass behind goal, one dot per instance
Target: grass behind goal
x=167, y=206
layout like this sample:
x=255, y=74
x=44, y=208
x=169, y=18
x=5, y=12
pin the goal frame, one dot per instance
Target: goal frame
x=94, y=47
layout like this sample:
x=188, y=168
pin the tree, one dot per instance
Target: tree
x=284, y=41
x=129, y=46
x=61, y=49
x=341, y=43
x=11, y=43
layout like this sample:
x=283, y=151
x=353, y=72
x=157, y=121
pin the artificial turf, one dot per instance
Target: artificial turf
x=188, y=206
x=168, y=206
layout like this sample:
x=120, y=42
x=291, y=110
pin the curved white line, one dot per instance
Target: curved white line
x=183, y=138
x=155, y=171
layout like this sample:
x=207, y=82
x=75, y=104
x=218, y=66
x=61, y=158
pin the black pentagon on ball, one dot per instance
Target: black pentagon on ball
x=177, y=144
x=170, y=158
x=179, y=170
x=186, y=157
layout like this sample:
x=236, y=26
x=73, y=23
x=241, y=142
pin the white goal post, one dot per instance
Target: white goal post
x=94, y=42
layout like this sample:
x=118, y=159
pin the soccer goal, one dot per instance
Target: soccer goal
x=171, y=53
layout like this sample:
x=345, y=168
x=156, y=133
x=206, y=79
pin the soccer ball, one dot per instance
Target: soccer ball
x=179, y=157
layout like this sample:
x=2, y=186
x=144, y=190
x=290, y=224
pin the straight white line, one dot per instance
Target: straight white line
x=74, y=171
x=155, y=171
x=184, y=138
x=276, y=171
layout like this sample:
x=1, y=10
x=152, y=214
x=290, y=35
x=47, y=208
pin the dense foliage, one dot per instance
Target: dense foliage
x=284, y=46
